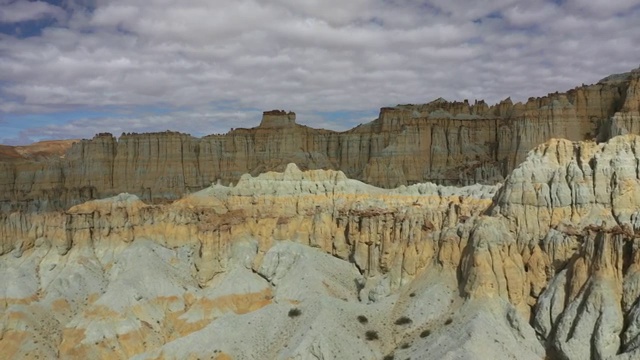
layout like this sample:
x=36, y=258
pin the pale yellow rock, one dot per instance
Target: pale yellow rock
x=556, y=244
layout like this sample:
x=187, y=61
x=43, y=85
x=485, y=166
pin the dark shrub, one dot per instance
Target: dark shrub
x=449, y=321
x=294, y=312
x=425, y=333
x=371, y=335
x=403, y=321
x=362, y=319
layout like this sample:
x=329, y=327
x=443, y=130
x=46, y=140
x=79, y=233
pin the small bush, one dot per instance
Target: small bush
x=449, y=321
x=412, y=294
x=294, y=312
x=371, y=335
x=405, y=346
x=388, y=357
x=362, y=319
x=425, y=333
x=403, y=321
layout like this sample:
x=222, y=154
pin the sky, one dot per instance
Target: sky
x=74, y=68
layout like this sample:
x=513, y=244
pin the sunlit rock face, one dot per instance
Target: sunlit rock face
x=576, y=206
x=454, y=143
x=317, y=264
x=314, y=265
x=231, y=267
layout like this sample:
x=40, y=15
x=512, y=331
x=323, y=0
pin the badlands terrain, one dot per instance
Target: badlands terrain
x=449, y=143
x=164, y=246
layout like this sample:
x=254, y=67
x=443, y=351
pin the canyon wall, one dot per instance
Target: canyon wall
x=307, y=263
x=456, y=143
x=536, y=267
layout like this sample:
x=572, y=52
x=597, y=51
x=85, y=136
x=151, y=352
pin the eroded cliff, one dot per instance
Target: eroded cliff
x=457, y=143
x=336, y=268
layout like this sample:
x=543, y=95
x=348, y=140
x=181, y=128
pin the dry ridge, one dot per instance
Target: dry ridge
x=314, y=265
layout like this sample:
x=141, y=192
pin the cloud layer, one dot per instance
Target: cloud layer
x=213, y=65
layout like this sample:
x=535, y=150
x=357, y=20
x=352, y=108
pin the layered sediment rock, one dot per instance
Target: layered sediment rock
x=313, y=264
x=575, y=205
x=456, y=143
x=547, y=262
x=323, y=209
x=223, y=251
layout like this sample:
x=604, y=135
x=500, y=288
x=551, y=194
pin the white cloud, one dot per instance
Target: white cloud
x=465, y=10
x=532, y=13
x=602, y=8
x=23, y=10
x=308, y=56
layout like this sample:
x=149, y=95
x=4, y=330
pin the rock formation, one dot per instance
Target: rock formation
x=576, y=205
x=456, y=143
x=146, y=275
x=312, y=264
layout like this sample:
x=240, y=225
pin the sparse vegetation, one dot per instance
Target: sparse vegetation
x=371, y=335
x=412, y=294
x=449, y=321
x=294, y=312
x=388, y=357
x=425, y=333
x=403, y=321
x=405, y=346
x=362, y=319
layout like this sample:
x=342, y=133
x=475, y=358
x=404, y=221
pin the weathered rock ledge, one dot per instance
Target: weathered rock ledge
x=457, y=143
x=544, y=264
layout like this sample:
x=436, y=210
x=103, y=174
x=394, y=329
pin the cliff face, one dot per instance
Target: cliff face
x=574, y=208
x=315, y=265
x=541, y=265
x=444, y=142
x=145, y=275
